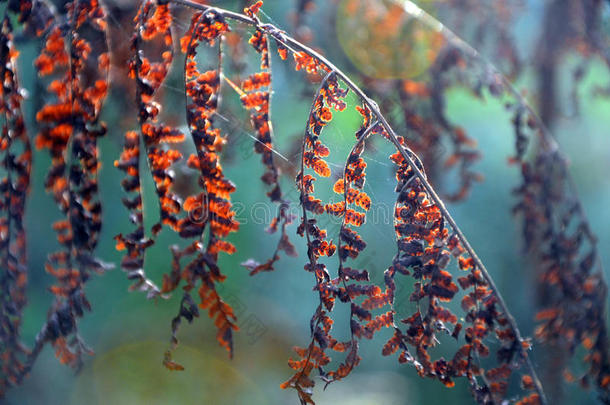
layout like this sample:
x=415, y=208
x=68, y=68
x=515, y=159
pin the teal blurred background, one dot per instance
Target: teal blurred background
x=129, y=333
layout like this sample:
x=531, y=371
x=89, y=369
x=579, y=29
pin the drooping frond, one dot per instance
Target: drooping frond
x=558, y=236
x=211, y=208
x=152, y=28
x=75, y=55
x=16, y=163
x=256, y=97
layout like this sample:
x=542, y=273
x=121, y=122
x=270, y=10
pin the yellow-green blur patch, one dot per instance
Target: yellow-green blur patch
x=383, y=41
x=133, y=374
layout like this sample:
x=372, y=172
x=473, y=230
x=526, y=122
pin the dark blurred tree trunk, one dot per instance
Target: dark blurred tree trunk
x=567, y=25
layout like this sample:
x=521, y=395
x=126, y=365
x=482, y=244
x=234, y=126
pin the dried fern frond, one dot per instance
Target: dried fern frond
x=214, y=201
x=152, y=27
x=70, y=128
x=16, y=158
x=256, y=92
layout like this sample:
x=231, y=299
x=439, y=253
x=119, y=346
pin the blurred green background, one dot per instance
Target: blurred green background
x=129, y=333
